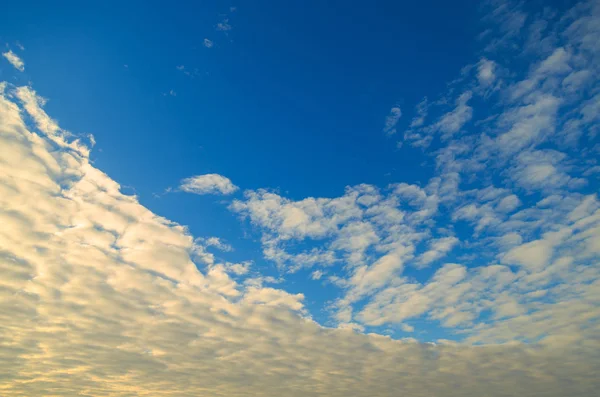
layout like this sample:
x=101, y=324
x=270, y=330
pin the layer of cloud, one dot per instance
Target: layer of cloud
x=99, y=296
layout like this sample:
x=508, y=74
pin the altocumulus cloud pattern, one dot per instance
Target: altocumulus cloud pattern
x=99, y=296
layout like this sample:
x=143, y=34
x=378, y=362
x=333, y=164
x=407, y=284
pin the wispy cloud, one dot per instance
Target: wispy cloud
x=224, y=25
x=14, y=60
x=391, y=120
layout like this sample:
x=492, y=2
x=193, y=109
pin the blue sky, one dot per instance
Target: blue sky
x=291, y=98
x=423, y=170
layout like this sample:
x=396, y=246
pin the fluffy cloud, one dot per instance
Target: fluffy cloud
x=14, y=60
x=208, y=184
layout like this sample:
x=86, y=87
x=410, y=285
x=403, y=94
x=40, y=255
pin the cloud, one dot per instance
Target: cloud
x=534, y=254
x=421, y=109
x=391, y=120
x=101, y=296
x=486, y=72
x=543, y=170
x=507, y=181
x=453, y=121
x=208, y=184
x=207, y=43
x=437, y=249
x=224, y=25
x=14, y=60
x=215, y=242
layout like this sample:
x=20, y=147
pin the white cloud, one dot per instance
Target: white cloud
x=534, y=254
x=215, y=242
x=14, y=60
x=508, y=203
x=391, y=120
x=208, y=43
x=451, y=122
x=437, y=249
x=421, y=109
x=208, y=184
x=543, y=170
x=486, y=72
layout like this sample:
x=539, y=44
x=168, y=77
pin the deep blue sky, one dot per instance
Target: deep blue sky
x=288, y=91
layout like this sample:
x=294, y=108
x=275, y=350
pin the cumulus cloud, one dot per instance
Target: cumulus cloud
x=208, y=184
x=14, y=60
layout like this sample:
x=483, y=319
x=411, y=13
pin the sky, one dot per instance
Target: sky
x=300, y=198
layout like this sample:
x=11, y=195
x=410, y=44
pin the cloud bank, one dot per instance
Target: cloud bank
x=99, y=296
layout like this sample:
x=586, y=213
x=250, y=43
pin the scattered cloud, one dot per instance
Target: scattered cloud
x=208, y=43
x=208, y=184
